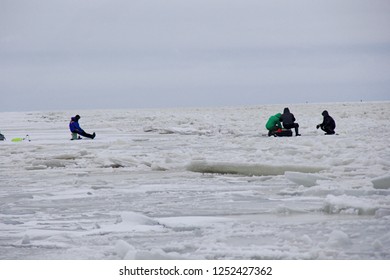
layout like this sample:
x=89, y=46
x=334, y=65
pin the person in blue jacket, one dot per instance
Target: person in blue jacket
x=75, y=128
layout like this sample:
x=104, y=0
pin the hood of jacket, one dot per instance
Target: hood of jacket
x=75, y=118
x=325, y=113
x=286, y=110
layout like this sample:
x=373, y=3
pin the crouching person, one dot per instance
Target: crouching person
x=328, y=124
x=273, y=124
x=77, y=130
x=288, y=121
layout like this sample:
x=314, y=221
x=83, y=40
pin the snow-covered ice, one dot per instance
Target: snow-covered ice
x=199, y=183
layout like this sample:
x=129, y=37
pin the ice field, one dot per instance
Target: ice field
x=196, y=183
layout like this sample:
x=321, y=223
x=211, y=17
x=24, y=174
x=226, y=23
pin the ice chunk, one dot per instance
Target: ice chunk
x=124, y=250
x=132, y=219
x=26, y=240
x=349, y=205
x=339, y=238
x=158, y=167
x=248, y=169
x=156, y=254
x=382, y=182
x=66, y=156
x=304, y=179
x=382, y=213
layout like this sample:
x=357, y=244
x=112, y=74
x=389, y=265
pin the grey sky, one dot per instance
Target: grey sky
x=84, y=54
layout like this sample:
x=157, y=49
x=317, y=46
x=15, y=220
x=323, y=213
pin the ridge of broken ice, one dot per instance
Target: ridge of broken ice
x=248, y=169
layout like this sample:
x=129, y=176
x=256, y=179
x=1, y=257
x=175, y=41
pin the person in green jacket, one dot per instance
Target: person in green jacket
x=273, y=124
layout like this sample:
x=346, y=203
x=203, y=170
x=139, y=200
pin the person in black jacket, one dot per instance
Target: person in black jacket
x=288, y=121
x=328, y=124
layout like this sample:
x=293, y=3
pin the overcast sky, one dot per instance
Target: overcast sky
x=92, y=54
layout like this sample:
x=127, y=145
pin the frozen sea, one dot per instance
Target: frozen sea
x=196, y=183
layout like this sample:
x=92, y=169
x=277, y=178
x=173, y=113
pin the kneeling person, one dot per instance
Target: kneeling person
x=273, y=124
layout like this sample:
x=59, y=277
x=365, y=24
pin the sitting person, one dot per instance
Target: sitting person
x=288, y=121
x=273, y=124
x=328, y=124
x=75, y=128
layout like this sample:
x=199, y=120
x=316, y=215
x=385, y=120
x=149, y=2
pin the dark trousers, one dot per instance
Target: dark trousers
x=292, y=125
x=83, y=133
x=273, y=130
x=328, y=130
